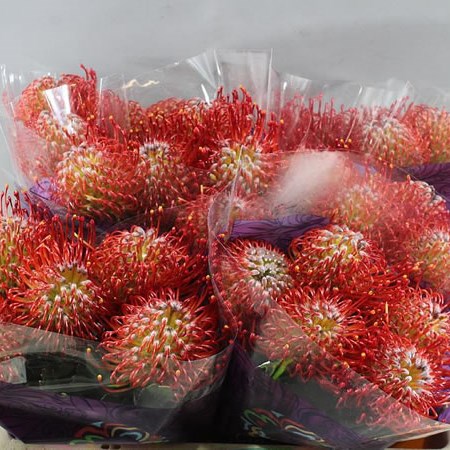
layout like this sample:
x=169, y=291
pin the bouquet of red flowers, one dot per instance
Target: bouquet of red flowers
x=105, y=275
x=336, y=270
x=331, y=273
x=328, y=254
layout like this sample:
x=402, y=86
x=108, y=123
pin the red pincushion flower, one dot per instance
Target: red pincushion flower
x=185, y=125
x=430, y=256
x=414, y=376
x=55, y=289
x=101, y=180
x=345, y=261
x=391, y=141
x=32, y=101
x=409, y=207
x=167, y=146
x=251, y=275
x=179, y=118
x=192, y=223
x=81, y=91
x=418, y=204
x=319, y=126
x=254, y=274
x=243, y=138
x=327, y=318
x=314, y=321
x=20, y=232
x=169, y=181
x=160, y=341
x=422, y=316
x=361, y=202
x=130, y=263
x=59, y=139
x=433, y=125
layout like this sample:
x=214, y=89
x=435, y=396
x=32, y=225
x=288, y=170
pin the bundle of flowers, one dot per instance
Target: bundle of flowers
x=337, y=276
x=327, y=242
x=108, y=246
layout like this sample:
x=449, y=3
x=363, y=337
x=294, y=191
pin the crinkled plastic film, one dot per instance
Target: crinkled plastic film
x=54, y=389
x=252, y=405
x=196, y=79
x=199, y=77
x=340, y=411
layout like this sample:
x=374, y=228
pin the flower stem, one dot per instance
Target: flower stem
x=281, y=368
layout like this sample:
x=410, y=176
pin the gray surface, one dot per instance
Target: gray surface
x=347, y=39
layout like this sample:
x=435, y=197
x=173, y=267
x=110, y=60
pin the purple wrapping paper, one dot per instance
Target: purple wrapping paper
x=42, y=189
x=58, y=398
x=256, y=407
x=34, y=416
x=278, y=232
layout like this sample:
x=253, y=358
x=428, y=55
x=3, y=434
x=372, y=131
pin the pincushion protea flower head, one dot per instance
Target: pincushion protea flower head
x=168, y=141
x=186, y=126
x=59, y=138
x=327, y=318
x=243, y=140
x=360, y=202
x=317, y=125
x=55, y=289
x=254, y=274
x=192, y=223
x=390, y=140
x=101, y=180
x=32, y=101
x=145, y=122
x=425, y=320
x=314, y=321
x=71, y=131
x=157, y=341
x=413, y=375
x=169, y=181
x=433, y=125
x=342, y=259
x=418, y=203
x=82, y=95
x=429, y=254
x=21, y=230
x=129, y=263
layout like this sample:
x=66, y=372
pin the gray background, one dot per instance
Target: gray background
x=347, y=39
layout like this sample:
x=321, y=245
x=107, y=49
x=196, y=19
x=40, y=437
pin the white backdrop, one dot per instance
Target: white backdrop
x=348, y=39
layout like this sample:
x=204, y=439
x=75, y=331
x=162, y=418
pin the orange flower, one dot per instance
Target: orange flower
x=55, y=290
x=160, y=342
